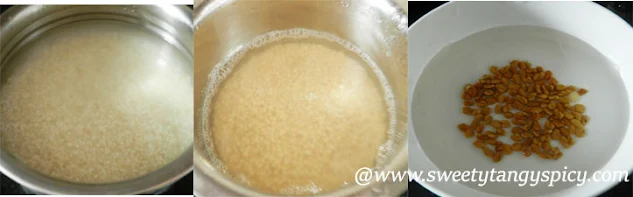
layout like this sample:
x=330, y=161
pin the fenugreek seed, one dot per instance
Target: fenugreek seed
x=467, y=110
x=564, y=132
x=507, y=149
x=536, y=94
x=505, y=124
x=565, y=144
x=577, y=115
x=480, y=128
x=500, y=132
x=516, y=137
x=555, y=134
x=496, y=124
x=485, y=110
x=469, y=134
x=491, y=135
x=487, y=119
x=535, y=147
x=494, y=69
x=577, y=123
x=536, y=126
x=517, y=130
x=501, y=98
x=580, y=132
x=513, y=86
x=497, y=157
x=582, y=91
x=516, y=146
x=579, y=108
x=498, y=109
x=552, y=105
x=487, y=151
x=568, y=115
x=463, y=127
x=585, y=119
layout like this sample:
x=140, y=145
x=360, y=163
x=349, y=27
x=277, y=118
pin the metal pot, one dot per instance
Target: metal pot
x=21, y=24
x=378, y=27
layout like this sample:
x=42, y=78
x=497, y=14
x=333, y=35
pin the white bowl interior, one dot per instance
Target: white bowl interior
x=455, y=45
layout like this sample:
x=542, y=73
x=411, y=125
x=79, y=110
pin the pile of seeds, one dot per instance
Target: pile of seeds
x=537, y=110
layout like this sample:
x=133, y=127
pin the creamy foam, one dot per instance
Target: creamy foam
x=223, y=69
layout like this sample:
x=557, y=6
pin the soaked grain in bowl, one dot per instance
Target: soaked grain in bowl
x=297, y=112
x=532, y=107
x=96, y=102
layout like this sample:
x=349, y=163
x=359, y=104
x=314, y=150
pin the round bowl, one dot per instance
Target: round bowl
x=222, y=27
x=21, y=24
x=583, y=45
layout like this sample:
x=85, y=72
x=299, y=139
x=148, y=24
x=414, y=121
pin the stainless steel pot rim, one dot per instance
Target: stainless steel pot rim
x=167, y=22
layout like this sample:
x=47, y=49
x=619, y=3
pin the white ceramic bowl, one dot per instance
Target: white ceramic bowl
x=582, y=43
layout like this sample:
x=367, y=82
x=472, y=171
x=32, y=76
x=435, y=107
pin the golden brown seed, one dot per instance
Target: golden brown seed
x=580, y=132
x=564, y=143
x=502, y=88
x=536, y=94
x=506, y=108
x=500, y=132
x=555, y=134
x=505, y=124
x=517, y=130
x=585, y=119
x=579, y=108
x=487, y=151
x=516, y=146
x=577, y=124
x=507, y=149
x=485, y=110
x=479, y=144
x=469, y=134
x=577, y=115
x=582, y=91
x=480, y=128
x=494, y=69
x=491, y=101
x=497, y=157
x=516, y=137
x=496, y=124
x=568, y=115
x=501, y=98
x=463, y=127
x=552, y=105
x=564, y=132
x=487, y=119
x=467, y=110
